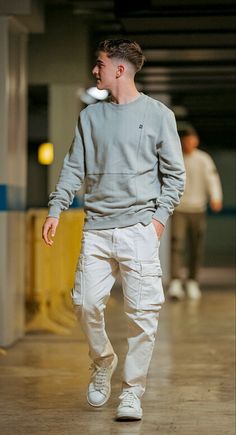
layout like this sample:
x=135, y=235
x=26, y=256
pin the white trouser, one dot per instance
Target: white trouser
x=133, y=250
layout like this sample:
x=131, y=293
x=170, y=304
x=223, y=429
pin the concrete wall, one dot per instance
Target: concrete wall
x=61, y=54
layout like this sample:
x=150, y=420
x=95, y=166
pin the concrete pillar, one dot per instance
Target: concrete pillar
x=64, y=107
x=60, y=59
x=13, y=40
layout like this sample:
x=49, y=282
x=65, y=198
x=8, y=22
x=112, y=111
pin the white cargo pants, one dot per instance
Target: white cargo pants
x=133, y=250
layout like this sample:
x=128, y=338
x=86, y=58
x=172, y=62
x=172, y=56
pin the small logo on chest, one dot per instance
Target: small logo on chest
x=140, y=125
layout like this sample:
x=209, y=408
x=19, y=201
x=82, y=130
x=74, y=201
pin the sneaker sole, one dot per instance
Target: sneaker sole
x=128, y=417
x=109, y=392
x=176, y=296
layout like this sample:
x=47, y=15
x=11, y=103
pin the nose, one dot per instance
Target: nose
x=95, y=70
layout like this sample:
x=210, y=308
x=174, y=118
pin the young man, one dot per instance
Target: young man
x=189, y=219
x=128, y=152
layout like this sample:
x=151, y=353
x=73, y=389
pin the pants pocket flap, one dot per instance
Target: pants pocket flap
x=151, y=269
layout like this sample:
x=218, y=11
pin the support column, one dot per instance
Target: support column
x=13, y=40
x=64, y=108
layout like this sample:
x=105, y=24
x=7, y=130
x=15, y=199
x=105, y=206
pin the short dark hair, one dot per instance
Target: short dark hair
x=123, y=49
x=187, y=132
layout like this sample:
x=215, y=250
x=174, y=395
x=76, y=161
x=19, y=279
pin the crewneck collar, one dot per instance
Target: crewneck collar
x=125, y=105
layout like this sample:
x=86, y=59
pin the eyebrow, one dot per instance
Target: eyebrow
x=100, y=62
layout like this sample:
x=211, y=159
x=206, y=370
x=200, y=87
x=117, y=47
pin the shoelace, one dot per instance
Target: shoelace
x=99, y=377
x=129, y=399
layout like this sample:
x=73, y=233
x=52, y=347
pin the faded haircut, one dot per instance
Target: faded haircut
x=123, y=49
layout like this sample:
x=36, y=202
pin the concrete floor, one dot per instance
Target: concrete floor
x=190, y=388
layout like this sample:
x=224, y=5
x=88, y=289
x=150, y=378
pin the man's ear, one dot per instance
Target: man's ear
x=120, y=70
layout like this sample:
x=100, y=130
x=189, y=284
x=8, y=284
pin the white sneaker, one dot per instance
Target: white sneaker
x=193, y=290
x=129, y=407
x=99, y=388
x=175, y=290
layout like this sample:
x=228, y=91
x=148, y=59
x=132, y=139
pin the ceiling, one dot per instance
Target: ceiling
x=190, y=55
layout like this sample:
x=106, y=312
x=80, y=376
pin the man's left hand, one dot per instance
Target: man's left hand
x=158, y=227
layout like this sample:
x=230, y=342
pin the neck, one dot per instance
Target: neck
x=188, y=153
x=124, y=94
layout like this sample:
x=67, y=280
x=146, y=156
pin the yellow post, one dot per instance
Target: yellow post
x=51, y=270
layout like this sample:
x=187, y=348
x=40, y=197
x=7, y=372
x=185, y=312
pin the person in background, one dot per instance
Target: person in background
x=188, y=224
x=128, y=152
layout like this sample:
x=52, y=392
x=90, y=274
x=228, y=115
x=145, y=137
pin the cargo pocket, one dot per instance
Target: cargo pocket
x=151, y=295
x=77, y=293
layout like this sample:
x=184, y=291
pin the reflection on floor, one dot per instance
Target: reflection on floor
x=43, y=378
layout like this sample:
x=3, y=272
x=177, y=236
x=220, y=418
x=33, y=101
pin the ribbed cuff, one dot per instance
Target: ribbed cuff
x=54, y=211
x=161, y=215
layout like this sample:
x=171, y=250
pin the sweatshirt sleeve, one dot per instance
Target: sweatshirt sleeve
x=212, y=178
x=71, y=177
x=171, y=167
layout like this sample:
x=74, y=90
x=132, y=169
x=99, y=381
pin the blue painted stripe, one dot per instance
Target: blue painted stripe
x=3, y=197
x=12, y=198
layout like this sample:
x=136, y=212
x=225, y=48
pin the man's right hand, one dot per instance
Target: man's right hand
x=49, y=229
x=216, y=206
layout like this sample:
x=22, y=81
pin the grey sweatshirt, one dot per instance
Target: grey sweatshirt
x=130, y=158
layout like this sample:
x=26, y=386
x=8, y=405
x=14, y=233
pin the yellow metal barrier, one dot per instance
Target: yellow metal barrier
x=50, y=270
